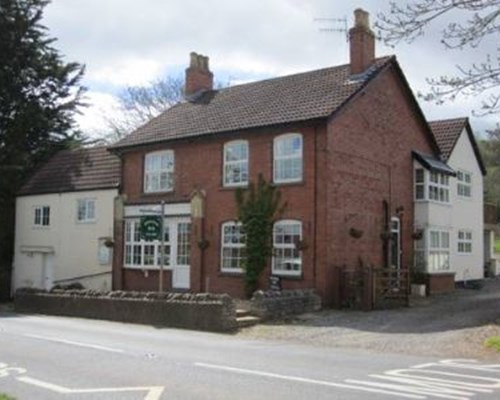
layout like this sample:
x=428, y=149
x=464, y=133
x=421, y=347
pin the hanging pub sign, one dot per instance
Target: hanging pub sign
x=150, y=227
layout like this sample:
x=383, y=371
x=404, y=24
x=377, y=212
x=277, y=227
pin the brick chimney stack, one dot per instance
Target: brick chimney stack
x=362, y=42
x=198, y=76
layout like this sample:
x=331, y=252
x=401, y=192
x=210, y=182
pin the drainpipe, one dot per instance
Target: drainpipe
x=315, y=202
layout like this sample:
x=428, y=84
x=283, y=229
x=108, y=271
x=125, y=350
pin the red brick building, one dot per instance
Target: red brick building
x=337, y=142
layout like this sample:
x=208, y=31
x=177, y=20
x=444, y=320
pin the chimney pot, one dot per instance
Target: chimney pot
x=361, y=18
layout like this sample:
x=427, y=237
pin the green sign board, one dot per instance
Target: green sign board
x=150, y=227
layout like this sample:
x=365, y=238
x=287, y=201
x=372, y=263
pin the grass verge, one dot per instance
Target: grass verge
x=5, y=397
x=493, y=342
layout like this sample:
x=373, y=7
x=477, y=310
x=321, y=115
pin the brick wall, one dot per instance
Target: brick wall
x=369, y=146
x=198, y=166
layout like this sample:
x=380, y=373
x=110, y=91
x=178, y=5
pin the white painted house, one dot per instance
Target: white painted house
x=64, y=221
x=449, y=204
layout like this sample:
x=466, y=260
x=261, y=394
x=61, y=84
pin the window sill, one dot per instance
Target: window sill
x=232, y=188
x=292, y=183
x=158, y=193
x=230, y=274
x=438, y=203
x=289, y=277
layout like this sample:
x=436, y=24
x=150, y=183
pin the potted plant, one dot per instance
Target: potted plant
x=418, y=283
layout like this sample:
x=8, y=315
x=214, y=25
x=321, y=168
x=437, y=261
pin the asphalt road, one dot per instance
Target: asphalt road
x=45, y=357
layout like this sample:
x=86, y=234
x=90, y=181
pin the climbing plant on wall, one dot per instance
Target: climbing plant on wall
x=258, y=208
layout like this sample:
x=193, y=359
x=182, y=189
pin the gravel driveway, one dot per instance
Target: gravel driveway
x=450, y=326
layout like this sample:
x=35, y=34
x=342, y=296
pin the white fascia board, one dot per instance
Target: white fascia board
x=142, y=210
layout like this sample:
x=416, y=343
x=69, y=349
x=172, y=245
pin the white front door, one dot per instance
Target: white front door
x=395, y=243
x=47, y=271
x=180, y=229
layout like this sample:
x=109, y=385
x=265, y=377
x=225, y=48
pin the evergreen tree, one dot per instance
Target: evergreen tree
x=39, y=94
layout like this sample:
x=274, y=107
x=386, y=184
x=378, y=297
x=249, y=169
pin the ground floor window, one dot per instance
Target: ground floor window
x=464, y=242
x=287, y=260
x=439, y=251
x=432, y=251
x=140, y=253
x=232, y=247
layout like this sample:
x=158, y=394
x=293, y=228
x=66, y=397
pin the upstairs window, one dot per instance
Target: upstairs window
x=419, y=184
x=287, y=259
x=159, y=172
x=236, y=163
x=288, y=158
x=86, y=210
x=439, y=187
x=42, y=216
x=464, y=184
x=432, y=185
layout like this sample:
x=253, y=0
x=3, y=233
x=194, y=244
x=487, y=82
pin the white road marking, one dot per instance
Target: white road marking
x=423, y=380
x=467, y=364
x=307, y=380
x=72, y=343
x=154, y=392
x=44, y=385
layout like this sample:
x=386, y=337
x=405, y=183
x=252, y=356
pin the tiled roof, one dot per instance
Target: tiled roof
x=447, y=132
x=294, y=98
x=75, y=170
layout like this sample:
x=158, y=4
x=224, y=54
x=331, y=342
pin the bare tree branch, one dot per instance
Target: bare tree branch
x=139, y=104
x=408, y=22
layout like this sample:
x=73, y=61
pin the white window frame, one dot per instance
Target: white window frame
x=238, y=246
x=464, y=184
x=280, y=159
x=439, y=252
x=41, y=216
x=229, y=165
x=89, y=211
x=152, y=174
x=435, y=186
x=464, y=242
x=178, y=241
x=420, y=183
x=440, y=187
x=284, y=247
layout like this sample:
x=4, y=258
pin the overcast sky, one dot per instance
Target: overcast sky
x=132, y=42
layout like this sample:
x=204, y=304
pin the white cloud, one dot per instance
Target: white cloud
x=92, y=121
x=127, y=72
